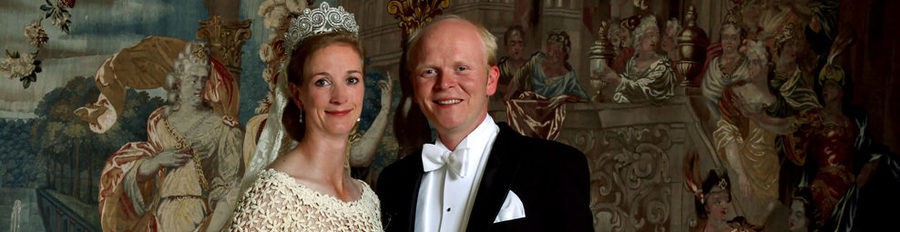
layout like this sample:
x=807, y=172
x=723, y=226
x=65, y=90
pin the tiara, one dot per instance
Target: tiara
x=321, y=20
x=733, y=16
x=194, y=53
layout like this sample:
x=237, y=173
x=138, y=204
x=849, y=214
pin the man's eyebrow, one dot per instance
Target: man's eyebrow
x=421, y=66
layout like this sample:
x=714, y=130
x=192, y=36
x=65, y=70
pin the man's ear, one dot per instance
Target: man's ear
x=493, y=77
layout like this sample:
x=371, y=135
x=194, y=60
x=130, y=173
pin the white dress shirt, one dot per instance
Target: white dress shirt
x=445, y=199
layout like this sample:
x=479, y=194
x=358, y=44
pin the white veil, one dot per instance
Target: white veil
x=273, y=140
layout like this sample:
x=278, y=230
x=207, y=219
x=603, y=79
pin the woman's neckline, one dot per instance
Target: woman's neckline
x=300, y=185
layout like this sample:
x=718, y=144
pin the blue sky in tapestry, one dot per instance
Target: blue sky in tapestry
x=98, y=29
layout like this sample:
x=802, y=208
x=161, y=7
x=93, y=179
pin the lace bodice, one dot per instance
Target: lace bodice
x=276, y=202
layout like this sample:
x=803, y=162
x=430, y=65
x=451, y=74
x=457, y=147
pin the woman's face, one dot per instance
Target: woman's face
x=717, y=204
x=192, y=84
x=331, y=92
x=797, y=221
x=731, y=39
x=758, y=69
x=649, y=40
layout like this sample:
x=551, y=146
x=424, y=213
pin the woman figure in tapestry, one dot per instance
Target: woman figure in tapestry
x=307, y=188
x=185, y=176
x=727, y=67
x=744, y=145
x=648, y=75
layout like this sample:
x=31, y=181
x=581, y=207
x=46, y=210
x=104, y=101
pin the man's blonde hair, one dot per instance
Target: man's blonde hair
x=488, y=39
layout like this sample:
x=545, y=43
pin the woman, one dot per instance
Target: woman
x=648, y=75
x=726, y=68
x=306, y=187
x=744, y=145
x=184, y=177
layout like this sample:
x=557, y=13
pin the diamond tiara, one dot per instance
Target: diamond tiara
x=318, y=21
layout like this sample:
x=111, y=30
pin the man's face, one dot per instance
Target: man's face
x=451, y=78
x=555, y=50
x=515, y=45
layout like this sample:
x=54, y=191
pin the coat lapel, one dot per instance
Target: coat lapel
x=415, y=175
x=402, y=194
x=496, y=182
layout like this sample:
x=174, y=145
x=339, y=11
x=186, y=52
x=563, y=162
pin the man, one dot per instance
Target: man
x=495, y=179
x=549, y=73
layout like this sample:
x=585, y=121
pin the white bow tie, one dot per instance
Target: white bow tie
x=434, y=157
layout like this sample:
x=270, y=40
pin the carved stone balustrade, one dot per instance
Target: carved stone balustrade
x=636, y=155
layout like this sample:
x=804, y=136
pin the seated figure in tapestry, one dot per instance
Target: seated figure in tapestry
x=514, y=41
x=548, y=74
x=541, y=87
x=648, y=75
x=185, y=176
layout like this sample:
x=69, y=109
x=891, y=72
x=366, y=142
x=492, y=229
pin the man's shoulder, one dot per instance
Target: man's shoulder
x=404, y=164
x=529, y=146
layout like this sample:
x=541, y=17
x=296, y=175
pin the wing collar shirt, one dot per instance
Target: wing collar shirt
x=446, y=196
